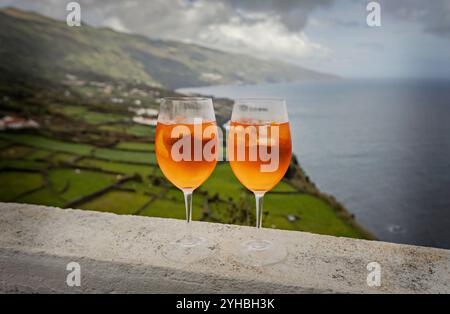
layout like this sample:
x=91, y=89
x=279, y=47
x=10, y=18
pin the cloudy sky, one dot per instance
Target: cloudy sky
x=326, y=35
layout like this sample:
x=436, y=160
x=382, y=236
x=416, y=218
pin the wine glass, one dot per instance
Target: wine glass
x=259, y=151
x=186, y=150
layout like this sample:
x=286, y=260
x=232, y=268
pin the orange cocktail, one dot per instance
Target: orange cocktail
x=186, y=166
x=267, y=154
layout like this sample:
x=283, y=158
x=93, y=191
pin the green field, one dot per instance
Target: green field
x=138, y=146
x=89, y=116
x=125, y=156
x=47, y=143
x=16, y=183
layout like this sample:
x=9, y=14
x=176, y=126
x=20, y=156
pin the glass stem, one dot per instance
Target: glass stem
x=259, y=208
x=188, y=204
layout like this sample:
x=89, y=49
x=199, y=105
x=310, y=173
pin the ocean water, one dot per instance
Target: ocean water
x=382, y=147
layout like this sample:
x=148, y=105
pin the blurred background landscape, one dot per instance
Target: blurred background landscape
x=368, y=109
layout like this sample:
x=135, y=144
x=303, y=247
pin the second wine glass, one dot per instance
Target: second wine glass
x=259, y=151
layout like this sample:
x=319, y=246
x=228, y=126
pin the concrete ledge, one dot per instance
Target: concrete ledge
x=122, y=254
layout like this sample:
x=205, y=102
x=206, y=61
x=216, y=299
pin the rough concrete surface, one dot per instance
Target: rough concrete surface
x=122, y=254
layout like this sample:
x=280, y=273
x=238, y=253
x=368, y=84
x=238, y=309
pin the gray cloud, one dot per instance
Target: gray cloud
x=165, y=16
x=180, y=18
x=293, y=13
x=433, y=15
x=263, y=28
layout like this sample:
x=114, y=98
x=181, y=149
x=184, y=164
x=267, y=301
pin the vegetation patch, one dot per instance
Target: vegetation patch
x=4, y=144
x=47, y=143
x=284, y=187
x=176, y=195
x=136, y=146
x=125, y=156
x=59, y=158
x=145, y=188
x=14, y=152
x=141, y=131
x=119, y=202
x=42, y=197
x=308, y=213
x=69, y=111
x=21, y=164
x=15, y=183
x=38, y=154
x=168, y=209
x=72, y=184
x=223, y=182
x=119, y=167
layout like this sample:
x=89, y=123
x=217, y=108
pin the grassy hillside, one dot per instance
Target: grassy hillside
x=41, y=48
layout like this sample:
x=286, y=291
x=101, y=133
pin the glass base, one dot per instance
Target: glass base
x=260, y=253
x=188, y=249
